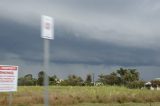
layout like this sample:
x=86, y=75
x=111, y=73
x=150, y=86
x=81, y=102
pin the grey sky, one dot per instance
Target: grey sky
x=95, y=35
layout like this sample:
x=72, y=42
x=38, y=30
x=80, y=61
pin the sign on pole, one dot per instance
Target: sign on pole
x=47, y=33
x=8, y=78
x=47, y=27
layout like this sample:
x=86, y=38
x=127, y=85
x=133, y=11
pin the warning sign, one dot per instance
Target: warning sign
x=47, y=27
x=8, y=78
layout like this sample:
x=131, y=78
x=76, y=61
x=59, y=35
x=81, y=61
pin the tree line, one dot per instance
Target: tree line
x=121, y=77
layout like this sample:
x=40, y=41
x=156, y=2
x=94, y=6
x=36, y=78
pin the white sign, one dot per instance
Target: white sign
x=8, y=78
x=47, y=27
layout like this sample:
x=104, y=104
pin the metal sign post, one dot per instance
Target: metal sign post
x=47, y=34
x=10, y=98
x=46, y=67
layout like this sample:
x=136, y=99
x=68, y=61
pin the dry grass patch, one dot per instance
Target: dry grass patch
x=67, y=95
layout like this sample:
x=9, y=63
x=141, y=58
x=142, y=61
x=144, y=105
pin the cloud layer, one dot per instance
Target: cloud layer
x=126, y=22
x=87, y=32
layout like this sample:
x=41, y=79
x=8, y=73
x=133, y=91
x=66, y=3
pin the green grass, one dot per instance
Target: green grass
x=83, y=96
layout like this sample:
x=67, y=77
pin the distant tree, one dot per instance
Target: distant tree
x=64, y=83
x=111, y=79
x=21, y=81
x=120, y=77
x=28, y=77
x=131, y=76
x=74, y=80
x=101, y=79
x=122, y=72
x=53, y=80
x=88, y=80
x=40, y=80
x=116, y=79
x=135, y=74
x=27, y=80
x=128, y=75
x=128, y=78
x=136, y=84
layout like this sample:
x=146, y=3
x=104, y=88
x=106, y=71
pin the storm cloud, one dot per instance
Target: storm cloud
x=104, y=33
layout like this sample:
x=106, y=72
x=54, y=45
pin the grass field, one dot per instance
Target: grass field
x=117, y=104
x=112, y=104
x=83, y=96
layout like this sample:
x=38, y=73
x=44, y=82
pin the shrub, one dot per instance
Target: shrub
x=135, y=84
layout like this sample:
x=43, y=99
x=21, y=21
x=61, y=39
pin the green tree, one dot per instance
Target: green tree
x=21, y=81
x=28, y=77
x=74, y=80
x=88, y=80
x=53, y=80
x=136, y=84
x=135, y=74
x=40, y=80
x=122, y=72
x=128, y=75
x=111, y=79
x=120, y=77
x=27, y=80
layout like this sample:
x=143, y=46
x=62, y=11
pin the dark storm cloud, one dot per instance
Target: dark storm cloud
x=82, y=51
x=126, y=22
x=18, y=38
x=25, y=42
x=96, y=33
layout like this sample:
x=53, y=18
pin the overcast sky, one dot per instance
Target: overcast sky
x=91, y=36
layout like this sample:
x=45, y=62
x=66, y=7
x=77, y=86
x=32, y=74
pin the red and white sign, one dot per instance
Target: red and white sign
x=47, y=27
x=8, y=78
